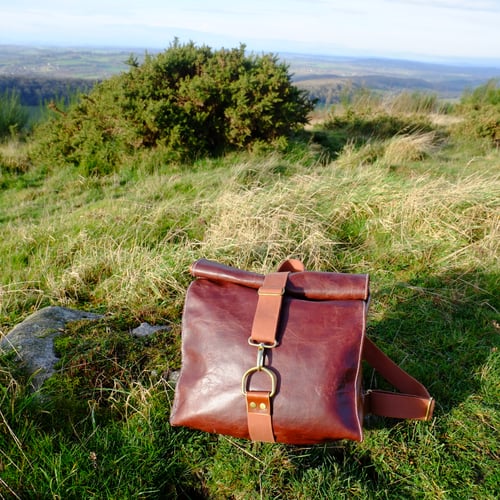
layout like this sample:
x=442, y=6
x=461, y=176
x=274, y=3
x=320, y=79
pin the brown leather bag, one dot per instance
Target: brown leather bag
x=278, y=358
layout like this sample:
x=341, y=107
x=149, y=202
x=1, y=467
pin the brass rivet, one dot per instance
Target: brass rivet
x=253, y=404
x=263, y=406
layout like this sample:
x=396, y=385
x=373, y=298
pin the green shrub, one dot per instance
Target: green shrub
x=484, y=95
x=481, y=111
x=188, y=101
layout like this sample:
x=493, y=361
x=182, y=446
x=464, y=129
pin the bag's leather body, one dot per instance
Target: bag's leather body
x=316, y=365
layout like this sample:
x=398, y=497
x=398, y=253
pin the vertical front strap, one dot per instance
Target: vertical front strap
x=260, y=425
x=263, y=336
x=267, y=314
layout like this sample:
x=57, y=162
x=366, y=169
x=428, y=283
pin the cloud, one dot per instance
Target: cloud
x=385, y=27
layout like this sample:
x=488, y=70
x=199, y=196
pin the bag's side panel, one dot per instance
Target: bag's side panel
x=317, y=365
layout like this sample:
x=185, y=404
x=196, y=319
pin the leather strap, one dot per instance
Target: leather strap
x=264, y=329
x=291, y=265
x=260, y=425
x=413, y=402
x=267, y=314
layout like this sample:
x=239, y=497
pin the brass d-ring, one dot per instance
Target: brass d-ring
x=248, y=373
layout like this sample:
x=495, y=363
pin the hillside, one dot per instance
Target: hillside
x=411, y=198
x=447, y=81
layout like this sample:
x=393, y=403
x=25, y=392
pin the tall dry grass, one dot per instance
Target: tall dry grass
x=421, y=217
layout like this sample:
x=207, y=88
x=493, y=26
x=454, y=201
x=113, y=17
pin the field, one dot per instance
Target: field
x=324, y=76
x=416, y=208
x=79, y=63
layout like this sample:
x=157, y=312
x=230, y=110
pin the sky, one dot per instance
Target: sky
x=426, y=30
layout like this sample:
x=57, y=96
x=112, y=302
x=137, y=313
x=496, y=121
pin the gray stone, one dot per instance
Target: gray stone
x=173, y=377
x=33, y=340
x=145, y=330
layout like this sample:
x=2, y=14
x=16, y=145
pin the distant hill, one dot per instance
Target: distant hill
x=35, y=70
x=320, y=73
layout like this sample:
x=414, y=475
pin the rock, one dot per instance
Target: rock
x=145, y=330
x=173, y=377
x=33, y=339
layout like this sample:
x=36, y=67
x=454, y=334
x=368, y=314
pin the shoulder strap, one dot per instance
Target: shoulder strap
x=414, y=401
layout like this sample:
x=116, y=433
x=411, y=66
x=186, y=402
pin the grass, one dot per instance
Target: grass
x=418, y=210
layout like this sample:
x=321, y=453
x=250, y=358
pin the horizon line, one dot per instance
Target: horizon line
x=478, y=62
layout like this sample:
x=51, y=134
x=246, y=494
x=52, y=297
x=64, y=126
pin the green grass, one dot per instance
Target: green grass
x=419, y=211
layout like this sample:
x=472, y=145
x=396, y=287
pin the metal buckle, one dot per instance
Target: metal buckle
x=277, y=292
x=248, y=373
x=429, y=406
x=261, y=353
x=266, y=346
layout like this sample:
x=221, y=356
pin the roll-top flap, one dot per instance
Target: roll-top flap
x=307, y=284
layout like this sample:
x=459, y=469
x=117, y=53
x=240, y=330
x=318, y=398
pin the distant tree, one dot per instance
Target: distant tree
x=35, y=90
x=189, y=100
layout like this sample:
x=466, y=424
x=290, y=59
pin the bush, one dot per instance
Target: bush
x=188, y=102
x=484, y=95
x=481, y=110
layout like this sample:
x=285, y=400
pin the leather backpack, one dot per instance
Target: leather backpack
x=278, y=357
